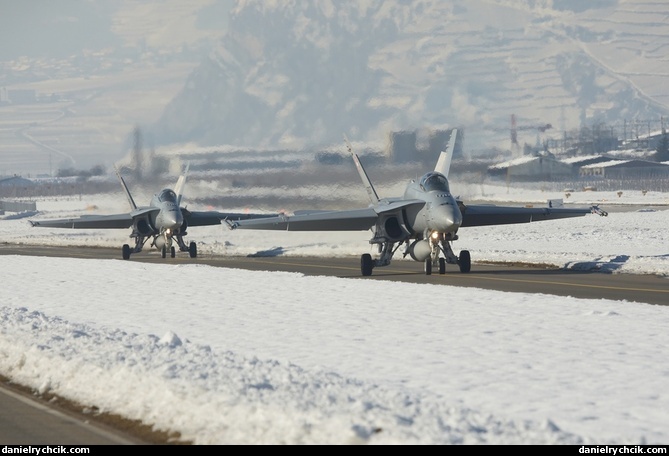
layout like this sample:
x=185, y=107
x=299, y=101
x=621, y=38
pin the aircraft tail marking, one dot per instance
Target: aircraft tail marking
x=445, y=158
x=133, y=206
x=371, y=192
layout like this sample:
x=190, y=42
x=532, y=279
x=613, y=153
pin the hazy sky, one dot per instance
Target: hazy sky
x=58, y=29
x=44, y=28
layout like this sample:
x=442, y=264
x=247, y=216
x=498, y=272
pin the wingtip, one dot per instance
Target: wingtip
x=231, y=225
x=598, y=211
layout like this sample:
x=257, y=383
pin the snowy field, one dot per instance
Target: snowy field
x=227, y=356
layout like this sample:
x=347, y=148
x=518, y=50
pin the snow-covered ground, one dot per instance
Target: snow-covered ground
x=227, y=356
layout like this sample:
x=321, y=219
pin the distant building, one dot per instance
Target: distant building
x=16, y=181
x=536, y=167
x=584, y=160
x=15, y=186
x=626, y=169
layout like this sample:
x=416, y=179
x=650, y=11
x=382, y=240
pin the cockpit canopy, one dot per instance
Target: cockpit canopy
x=435, y=182
x=167, y=195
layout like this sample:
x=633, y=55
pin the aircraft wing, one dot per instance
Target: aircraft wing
x=481, y=215
x=88, y=221
x=348, y=220
x=113, y=221
x=118, y=221
x=205, y=218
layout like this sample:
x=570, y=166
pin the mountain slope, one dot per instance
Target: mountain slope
x=294, y=74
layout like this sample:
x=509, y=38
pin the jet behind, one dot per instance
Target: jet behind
x=426, y=220
x=163, y=221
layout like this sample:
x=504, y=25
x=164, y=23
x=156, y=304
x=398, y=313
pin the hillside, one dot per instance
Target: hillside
x=282, y=75
x=301, y=73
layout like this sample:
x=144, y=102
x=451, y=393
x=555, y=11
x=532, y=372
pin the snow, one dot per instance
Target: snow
x=228, y=356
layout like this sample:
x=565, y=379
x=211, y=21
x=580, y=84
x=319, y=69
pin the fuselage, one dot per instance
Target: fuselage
x=169, y=219
x=441, y=212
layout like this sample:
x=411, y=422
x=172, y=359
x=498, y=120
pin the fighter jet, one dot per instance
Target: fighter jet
x=163, y=221
x=426, y=220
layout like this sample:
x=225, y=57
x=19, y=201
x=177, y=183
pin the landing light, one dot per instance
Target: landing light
x=168, y=232
x=435, y=236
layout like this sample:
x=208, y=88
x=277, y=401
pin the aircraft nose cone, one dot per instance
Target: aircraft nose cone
x=172, y=220
x=449, y=218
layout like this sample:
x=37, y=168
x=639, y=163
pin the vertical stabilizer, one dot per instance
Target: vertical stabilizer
x=371, y=192
x=445, y=158
x=133, y=206
x=179, y=188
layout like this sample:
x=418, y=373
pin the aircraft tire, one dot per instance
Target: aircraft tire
x=428, y=266
x=192, y=250
x=442, y=266
x=173, y=252
x=126, y=252
x=366, y=264
x=464, y=261
x=163, y=252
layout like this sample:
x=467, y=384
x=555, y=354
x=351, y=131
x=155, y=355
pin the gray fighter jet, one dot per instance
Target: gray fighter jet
x=163, y=221
x=426, y=220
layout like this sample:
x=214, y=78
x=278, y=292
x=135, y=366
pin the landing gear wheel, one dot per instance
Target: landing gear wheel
x=163, y=252
x=442, y=266
x=126, y=252
x=465, y=261
x=366, y=264
x=173, y=252
x=192, y=250
x=428, y=266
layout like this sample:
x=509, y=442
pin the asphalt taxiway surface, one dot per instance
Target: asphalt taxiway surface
x=649, y=289
x=27, y=421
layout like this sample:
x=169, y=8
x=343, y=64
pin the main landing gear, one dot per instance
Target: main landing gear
x=191, y=249
x=464, y=262
x=434, y=262
x=140, y=241
x=366, y=264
